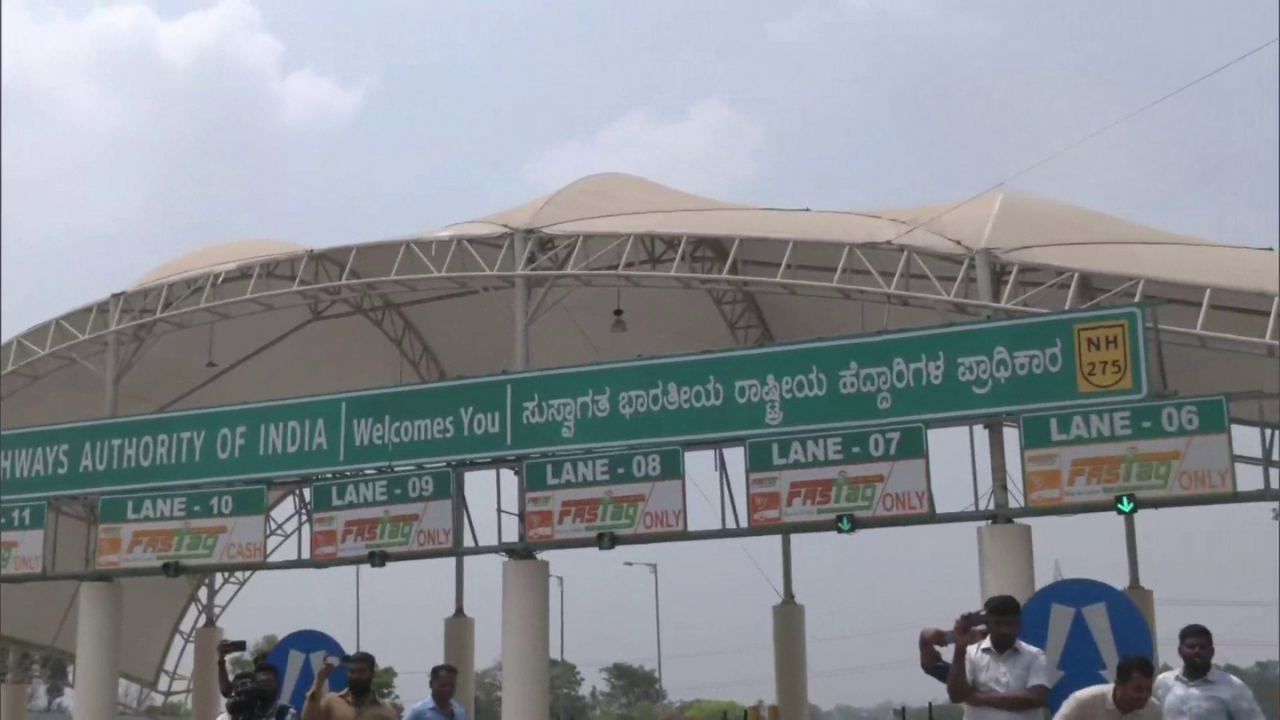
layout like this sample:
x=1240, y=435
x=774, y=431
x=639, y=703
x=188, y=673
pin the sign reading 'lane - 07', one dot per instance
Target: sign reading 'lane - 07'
x=961, y=371
x=1173, y=448
x=193, y=528
x=638, y=492
x=395, y=512
x=811, y=478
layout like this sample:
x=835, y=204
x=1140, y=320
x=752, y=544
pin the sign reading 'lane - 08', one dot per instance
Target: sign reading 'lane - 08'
x=638, y=492
x=1173, y=448
x=191, y=528
x=812, y=478
x=960, y=371
x=22, y=538
x=395, y=512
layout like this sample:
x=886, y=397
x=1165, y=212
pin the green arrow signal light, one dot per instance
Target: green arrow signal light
x=1126, y=504
x=606, y=540
x=845, y=524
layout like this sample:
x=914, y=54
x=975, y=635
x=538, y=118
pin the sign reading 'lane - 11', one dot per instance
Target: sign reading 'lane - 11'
x=1174, y=448
x=812, y=478
x=22, y=538
x=191, y=528
x=628, y=493
x=396, y=512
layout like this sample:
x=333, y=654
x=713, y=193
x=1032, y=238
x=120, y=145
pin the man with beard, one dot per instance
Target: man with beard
x=1199, y=691
x=998, y=677
x=357, y=702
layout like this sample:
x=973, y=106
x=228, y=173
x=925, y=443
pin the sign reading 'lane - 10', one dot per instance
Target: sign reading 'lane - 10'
x=396, y=512
x=628, y=493
x=192, y=528
x=1173, y=448
x=812, y=478
x=962, y=371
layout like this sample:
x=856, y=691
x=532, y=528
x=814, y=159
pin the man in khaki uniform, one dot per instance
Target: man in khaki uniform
x=1129, y=698
x=357, y=702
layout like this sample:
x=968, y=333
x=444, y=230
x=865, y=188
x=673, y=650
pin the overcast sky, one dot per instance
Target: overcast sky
x=133, y=133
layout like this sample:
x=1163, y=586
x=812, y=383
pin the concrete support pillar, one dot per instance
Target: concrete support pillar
x=790, y=661
x=206, y=694
x=526, y=640
x=97, y=664
x=13, y=693
x=1006, y=564
x=460, y=652
x=1146, y=602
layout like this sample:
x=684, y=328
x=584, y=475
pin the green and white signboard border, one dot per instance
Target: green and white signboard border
x=22, y=538
x=970, y=370
x=1159, y=449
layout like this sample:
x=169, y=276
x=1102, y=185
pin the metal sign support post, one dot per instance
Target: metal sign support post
x=1006, y=563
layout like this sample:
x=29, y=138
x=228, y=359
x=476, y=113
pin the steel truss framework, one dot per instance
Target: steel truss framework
x=380, y=281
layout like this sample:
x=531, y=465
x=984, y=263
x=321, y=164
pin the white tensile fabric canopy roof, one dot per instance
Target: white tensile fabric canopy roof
x=274, y=345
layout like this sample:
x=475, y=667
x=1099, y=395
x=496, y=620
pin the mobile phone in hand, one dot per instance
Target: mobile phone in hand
x=237, y=646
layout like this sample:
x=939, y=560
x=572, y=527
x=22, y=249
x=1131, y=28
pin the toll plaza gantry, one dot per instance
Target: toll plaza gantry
x=258, y=406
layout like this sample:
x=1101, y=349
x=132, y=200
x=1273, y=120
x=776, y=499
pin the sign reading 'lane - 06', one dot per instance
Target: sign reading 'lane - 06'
x=960, y=371
x=1173, y=448
x=22, y=538
x=396, y=512
x=191, y=528
x=811, y=478
x=627, y=493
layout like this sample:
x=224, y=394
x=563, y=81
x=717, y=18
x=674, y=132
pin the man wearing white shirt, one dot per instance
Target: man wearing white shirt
x=999, y=677
x=1128, y=699
x=1199, y=691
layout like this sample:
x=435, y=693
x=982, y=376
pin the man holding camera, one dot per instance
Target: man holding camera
x=998, y=677
x=255, y=696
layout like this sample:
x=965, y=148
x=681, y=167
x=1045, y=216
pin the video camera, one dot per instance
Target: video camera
x=248, y=697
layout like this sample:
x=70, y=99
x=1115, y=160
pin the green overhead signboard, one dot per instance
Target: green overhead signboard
x=1168, y=448
x=959, y=371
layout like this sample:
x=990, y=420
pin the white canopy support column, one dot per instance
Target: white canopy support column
x=101, y=605
x=206, y=691
x=790, y=654
x=97, y=668
x=526, y=582
x=526, y=640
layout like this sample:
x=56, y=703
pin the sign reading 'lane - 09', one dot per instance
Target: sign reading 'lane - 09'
x=865, y=473
x=192, y=528
x=639, y=492
x=395, y=512
x=961, y=371
x=22, y=538
x=1173, y=448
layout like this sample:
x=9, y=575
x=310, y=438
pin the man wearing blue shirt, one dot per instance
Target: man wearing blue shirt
x=439, y=705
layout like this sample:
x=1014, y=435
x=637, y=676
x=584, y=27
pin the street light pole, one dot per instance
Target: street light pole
x=560, y=583
x=657, y=614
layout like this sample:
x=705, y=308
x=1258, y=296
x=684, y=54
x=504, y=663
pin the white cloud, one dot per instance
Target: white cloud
x=711, y=148
x=919, y=17
x=129, y=138
x=91, y=70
